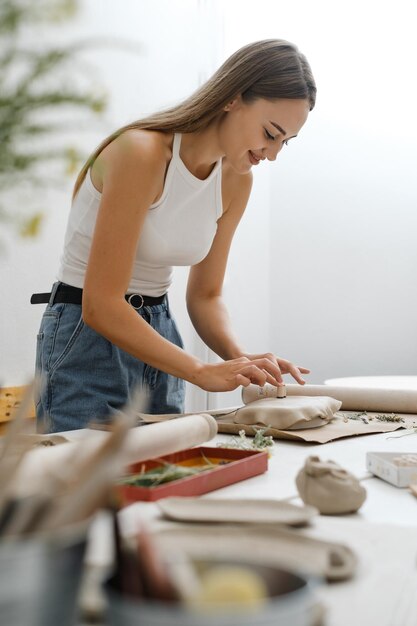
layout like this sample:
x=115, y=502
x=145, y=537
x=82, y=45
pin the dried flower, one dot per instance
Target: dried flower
x=365, y=418
x=392, y=417
x=362, y=416
x=259, y=441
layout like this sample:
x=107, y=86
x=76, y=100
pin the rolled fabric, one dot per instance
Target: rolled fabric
x=330, y=488
x=153, y=440
x=142, y=443
x=352, y=398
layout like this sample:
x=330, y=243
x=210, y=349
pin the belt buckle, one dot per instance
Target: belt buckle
x=136, y=295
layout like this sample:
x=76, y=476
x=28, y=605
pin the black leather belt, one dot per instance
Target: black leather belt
x=74, y=295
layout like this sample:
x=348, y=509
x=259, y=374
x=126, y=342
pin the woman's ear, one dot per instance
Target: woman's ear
x=233, y=103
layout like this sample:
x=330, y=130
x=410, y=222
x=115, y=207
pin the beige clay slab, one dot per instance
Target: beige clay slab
x=266, y=544
x=246, y=510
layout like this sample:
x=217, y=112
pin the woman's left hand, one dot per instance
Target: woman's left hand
x=285, y=367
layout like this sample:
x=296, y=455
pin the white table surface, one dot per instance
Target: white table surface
x=383, y=533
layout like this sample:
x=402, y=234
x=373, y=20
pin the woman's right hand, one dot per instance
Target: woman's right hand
x=228, y=375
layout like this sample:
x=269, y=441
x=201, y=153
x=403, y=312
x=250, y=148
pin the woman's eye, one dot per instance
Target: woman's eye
x=285, y=142
x=268, y=135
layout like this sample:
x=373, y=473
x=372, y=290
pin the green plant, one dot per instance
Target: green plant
x=37, y=83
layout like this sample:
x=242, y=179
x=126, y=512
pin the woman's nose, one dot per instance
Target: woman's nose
x=273, y=151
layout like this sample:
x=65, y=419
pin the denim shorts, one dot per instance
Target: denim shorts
x=85, y=378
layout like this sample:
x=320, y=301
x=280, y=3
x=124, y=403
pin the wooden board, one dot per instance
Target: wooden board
x=10, y=398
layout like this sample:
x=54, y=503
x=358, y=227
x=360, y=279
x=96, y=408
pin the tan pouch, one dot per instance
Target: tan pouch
x=289, y=413
x=330, y=488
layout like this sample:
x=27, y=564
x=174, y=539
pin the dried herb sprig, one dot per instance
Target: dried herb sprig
x=165, y=473
x=380, y=417
x=361, y=416
x=259, y=442
x=392, y=417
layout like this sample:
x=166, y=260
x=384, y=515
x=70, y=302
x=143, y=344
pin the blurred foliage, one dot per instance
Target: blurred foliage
x=37, y=81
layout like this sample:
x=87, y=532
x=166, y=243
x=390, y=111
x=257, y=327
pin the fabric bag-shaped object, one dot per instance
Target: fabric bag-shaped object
x=330, y=488
x=288, y=413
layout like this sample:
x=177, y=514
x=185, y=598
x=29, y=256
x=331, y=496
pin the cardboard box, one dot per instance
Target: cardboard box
x=232, y=466
x=392, y=467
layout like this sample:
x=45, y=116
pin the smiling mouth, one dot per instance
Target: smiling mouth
x=253, y=159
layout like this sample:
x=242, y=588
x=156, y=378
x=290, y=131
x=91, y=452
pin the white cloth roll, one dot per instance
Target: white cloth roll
x=365, y=399
x=153, y=440
x=352, y=398
x=142, y=443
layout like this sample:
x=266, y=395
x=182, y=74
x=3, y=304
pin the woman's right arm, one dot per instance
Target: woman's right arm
x=133, y=169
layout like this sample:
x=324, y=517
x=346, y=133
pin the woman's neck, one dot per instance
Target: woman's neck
x=200, y=151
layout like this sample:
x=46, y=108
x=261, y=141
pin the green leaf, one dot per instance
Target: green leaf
x=31, y=226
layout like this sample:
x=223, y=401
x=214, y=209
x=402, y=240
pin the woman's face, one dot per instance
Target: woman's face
x=250, y=133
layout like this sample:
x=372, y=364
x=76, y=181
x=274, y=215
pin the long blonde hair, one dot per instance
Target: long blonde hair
x=270, y=69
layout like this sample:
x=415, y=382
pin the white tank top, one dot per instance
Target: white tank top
x=178, y=230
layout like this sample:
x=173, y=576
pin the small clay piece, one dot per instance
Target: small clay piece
x=330, y=488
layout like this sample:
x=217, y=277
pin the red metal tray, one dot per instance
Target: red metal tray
x=239, y=464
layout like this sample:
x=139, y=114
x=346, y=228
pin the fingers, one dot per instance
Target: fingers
x=256, y=369
x=271, y=368
x=270, y=379
x=289, y=368
x=259, y=369
x=254, y=374
x=241, y=381
x=296, y=374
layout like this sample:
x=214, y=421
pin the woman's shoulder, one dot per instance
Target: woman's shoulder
x=150, y=142
x=148, y=146
x=152, y=149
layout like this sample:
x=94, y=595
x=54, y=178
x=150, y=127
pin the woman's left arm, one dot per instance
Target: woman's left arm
x=205, y=305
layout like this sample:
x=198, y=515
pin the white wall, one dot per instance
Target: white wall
x=343, y=196
x=344, y=199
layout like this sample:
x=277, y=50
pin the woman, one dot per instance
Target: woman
x=166, y=190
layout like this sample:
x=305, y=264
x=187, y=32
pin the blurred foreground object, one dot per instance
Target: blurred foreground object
x=43, y=533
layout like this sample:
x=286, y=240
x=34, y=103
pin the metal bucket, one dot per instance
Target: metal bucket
x=291, y=602
x=40, y=578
